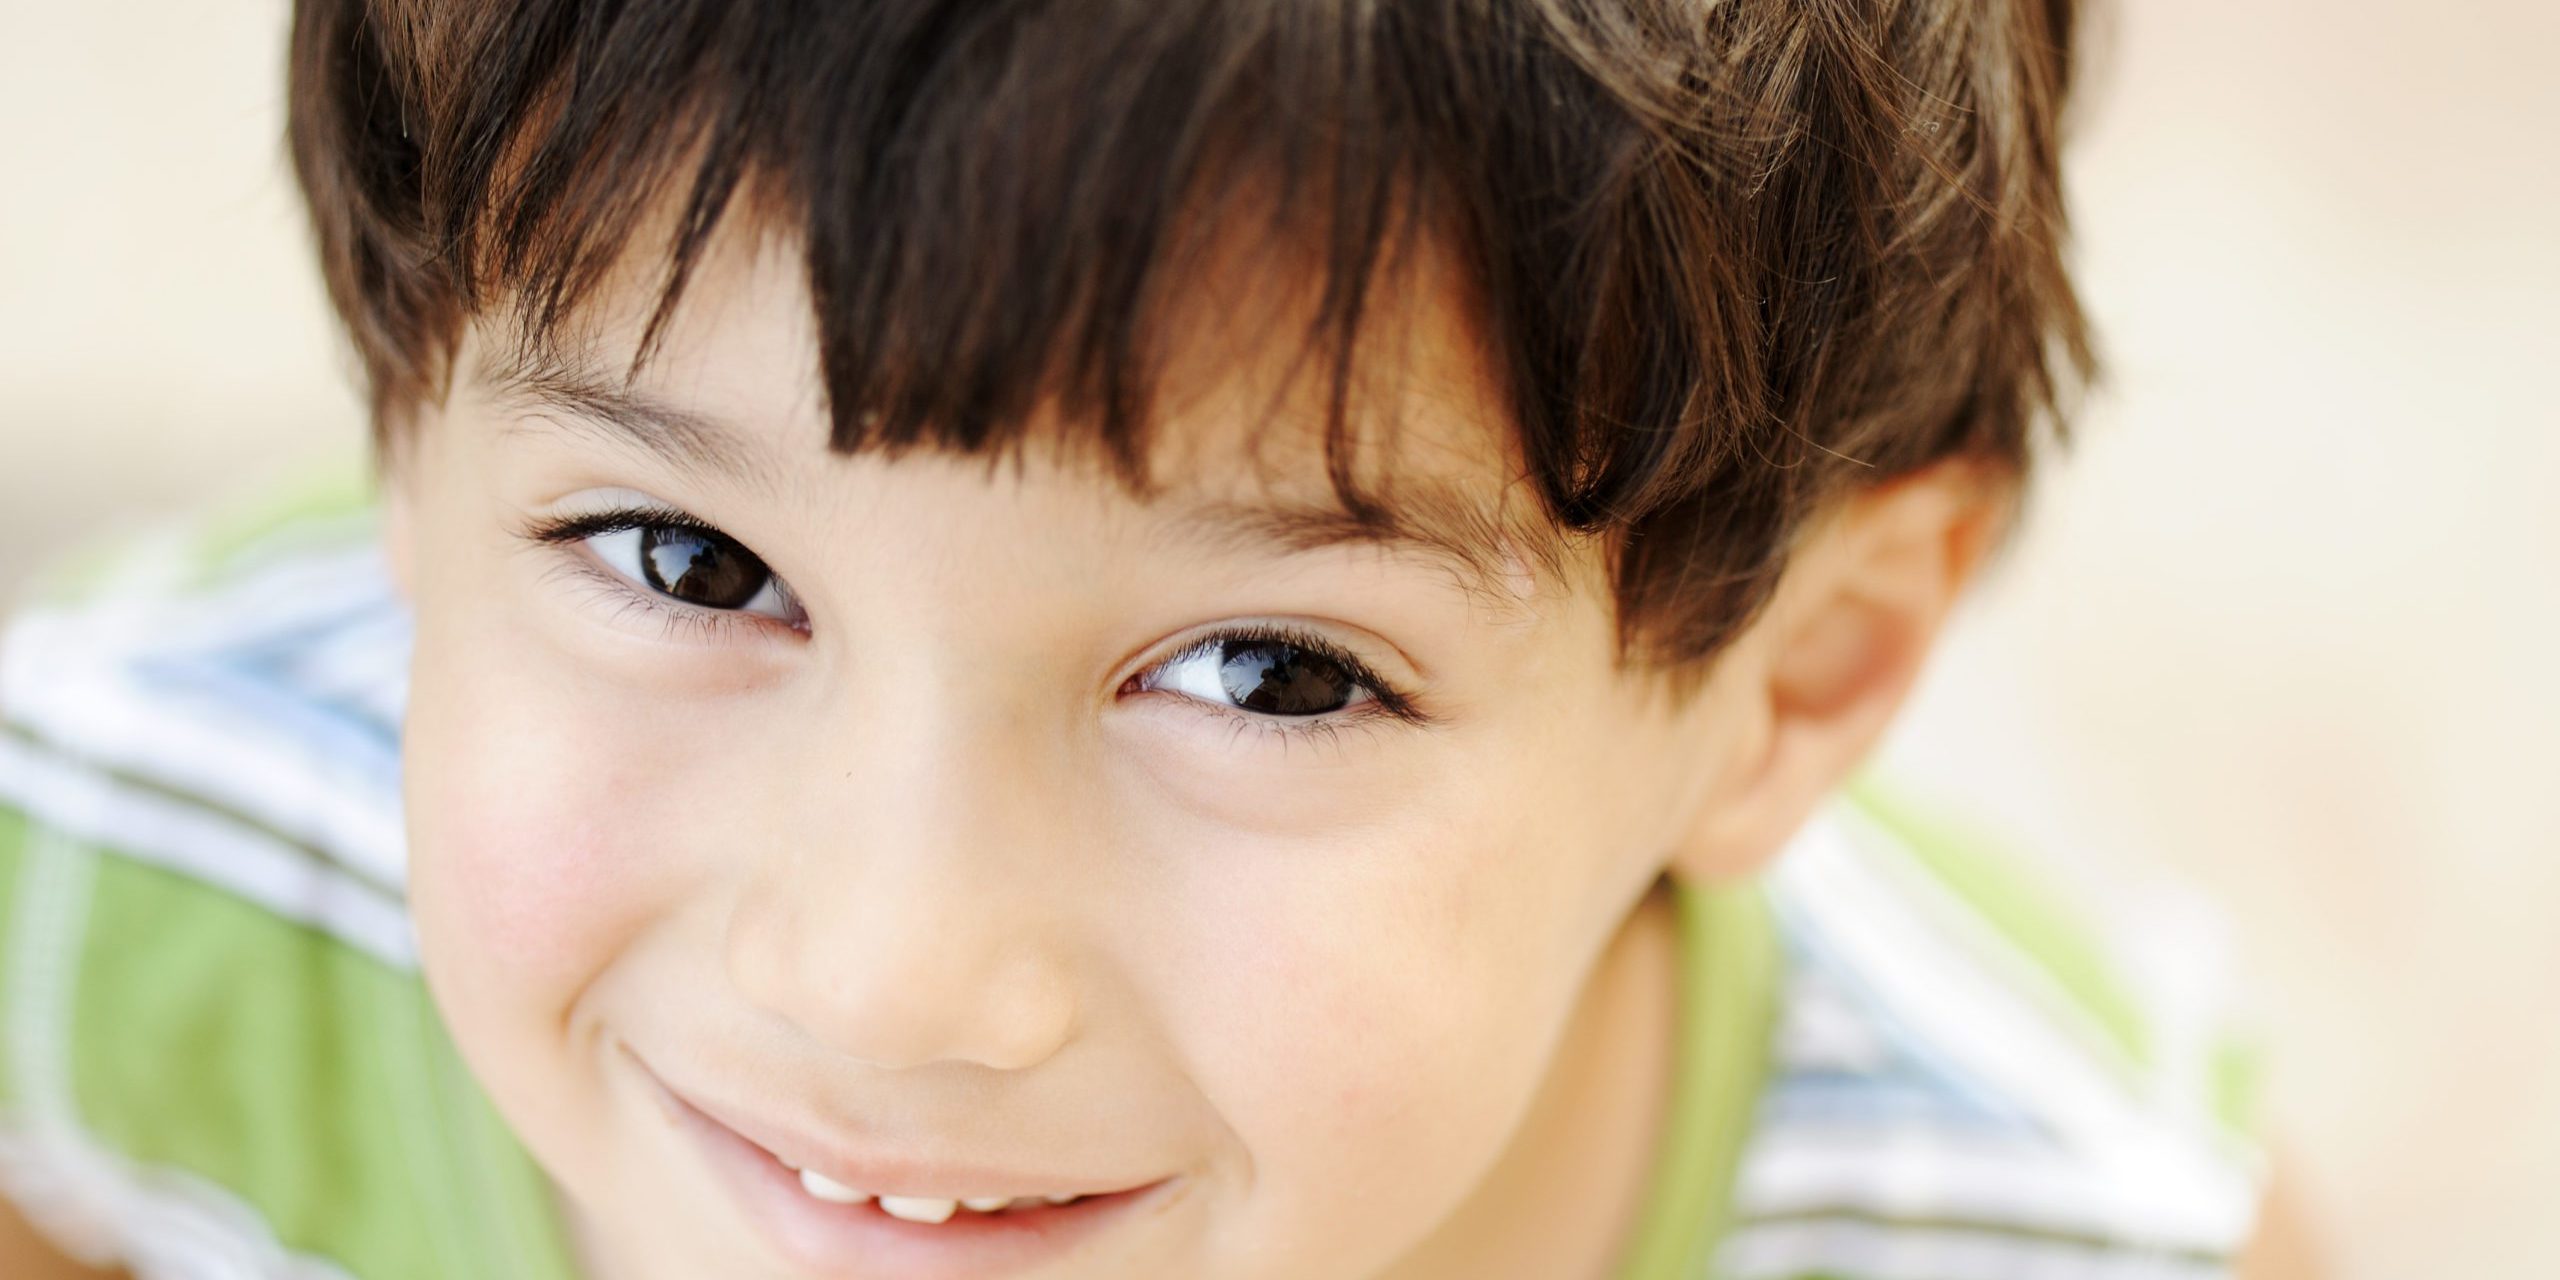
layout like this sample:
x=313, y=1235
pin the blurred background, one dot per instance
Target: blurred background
x=2280, y=625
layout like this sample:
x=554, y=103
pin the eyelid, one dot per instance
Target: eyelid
x=578, y=528
x=678, y=621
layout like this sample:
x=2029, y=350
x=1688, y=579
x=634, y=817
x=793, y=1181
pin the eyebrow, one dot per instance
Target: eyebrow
x=1432, y=525
x=570, y=396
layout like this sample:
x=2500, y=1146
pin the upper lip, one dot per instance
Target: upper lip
x=879, y=1174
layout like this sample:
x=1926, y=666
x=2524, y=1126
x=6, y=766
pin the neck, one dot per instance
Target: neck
x=1568, y=1193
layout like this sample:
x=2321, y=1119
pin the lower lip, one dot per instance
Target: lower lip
x=838, y=1239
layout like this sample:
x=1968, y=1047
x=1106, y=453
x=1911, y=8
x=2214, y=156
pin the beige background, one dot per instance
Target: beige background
x=2283, y=623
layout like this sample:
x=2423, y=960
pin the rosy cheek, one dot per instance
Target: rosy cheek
x=1337, y=1026
x=526, y=866
x=533, y=844
x=536, y=893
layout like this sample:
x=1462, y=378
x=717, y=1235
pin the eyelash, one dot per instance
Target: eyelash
x=691, y=622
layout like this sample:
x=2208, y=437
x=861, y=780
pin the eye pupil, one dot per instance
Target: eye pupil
x=699, y=567
x=1282, y=679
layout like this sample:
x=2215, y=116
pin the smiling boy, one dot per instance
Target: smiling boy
x=1107, y=640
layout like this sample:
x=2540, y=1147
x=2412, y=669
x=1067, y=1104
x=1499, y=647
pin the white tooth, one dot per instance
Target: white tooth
x=830, y=1190
x=918, y=1208
x=1057, y=1199
x=985, y=1204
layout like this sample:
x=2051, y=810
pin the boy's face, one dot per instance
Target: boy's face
x=933, y=860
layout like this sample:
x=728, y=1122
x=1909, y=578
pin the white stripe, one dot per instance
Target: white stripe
x=2162, y=947
x=1872, y=848
x=253, y=603
x=97, y=1206
x=1913, y=1172
x=44, y=940
x=1872, y=1251
x=366, y=663
x=69, y=678
x=1937, y=966
x=2180, y=952
x=195, y=842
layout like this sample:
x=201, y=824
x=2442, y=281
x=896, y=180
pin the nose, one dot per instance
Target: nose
x=913, y=926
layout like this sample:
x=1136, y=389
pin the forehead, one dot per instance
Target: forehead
x=1233, y=450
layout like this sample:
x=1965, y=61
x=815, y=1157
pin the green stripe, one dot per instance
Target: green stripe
x=2239, y=1087
x=302, y=1075
x=1729, y=979
x=13, y=859
x=1979, y=867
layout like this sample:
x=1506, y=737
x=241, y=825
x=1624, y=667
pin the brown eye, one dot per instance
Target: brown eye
x=688, y=563
x=700, y=567
x=1291, y=683
x=1281, y=679
x=1279, y=674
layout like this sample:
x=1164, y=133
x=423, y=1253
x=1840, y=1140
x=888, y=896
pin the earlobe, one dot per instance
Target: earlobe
x=1817, y=678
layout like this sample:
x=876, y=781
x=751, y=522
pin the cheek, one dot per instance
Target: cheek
x=1370, y=1033
x=527, y=887
x=530, y=865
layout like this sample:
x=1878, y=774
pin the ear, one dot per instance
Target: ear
x=1804, y=693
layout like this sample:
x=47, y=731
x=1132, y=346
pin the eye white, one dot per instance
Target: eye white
x=620, y=552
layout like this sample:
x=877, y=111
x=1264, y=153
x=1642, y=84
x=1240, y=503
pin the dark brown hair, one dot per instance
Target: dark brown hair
x=1729, y=257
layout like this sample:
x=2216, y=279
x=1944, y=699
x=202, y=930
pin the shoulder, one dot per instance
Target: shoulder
x=1975, y=1073
x=216, y=1056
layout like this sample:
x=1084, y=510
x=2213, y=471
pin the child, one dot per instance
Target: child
x=1359, y=795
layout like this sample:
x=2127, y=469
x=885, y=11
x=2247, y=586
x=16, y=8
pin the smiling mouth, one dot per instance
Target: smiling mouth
x=930, y=1209
x=828, y=1221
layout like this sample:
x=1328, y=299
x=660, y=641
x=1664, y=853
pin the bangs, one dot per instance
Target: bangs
x=1724, y=262
x=1000, y=205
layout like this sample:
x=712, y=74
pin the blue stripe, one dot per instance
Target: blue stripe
x=1919, y=1067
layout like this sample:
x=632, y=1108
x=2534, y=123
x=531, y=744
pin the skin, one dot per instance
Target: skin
x=926, y=877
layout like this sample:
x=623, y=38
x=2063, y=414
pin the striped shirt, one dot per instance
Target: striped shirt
x=1900, y=1057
